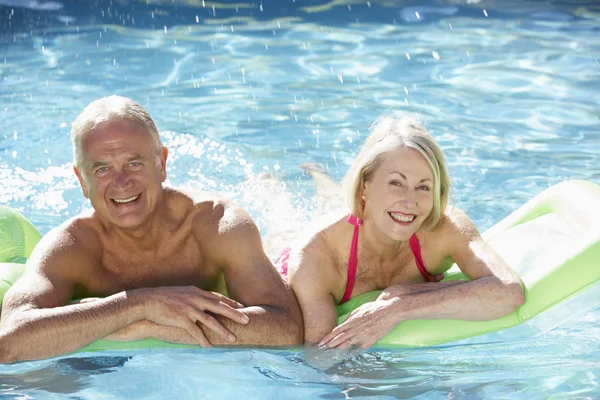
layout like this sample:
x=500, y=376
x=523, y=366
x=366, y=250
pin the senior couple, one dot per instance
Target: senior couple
x=156, y=262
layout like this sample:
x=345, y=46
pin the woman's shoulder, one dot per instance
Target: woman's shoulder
x=320, y=242
x=454, y=229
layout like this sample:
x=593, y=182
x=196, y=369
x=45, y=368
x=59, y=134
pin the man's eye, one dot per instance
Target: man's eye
x=101, y=171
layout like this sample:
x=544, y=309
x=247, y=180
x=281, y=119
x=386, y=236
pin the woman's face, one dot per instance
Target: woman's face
x=399, y=194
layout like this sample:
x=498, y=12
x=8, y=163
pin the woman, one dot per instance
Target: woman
x=399, y=234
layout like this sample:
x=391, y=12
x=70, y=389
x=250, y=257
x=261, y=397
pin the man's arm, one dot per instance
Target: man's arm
x=37, y=320
x=251, y=279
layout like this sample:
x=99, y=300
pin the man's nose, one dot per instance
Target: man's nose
x=121, y=178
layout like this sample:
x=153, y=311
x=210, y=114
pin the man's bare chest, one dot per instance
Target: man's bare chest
x=180, y=264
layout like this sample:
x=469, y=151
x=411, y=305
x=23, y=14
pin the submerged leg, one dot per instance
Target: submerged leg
x=328, y=190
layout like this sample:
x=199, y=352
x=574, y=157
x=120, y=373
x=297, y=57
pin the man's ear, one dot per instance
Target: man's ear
x=81, y=182
x=164, y=153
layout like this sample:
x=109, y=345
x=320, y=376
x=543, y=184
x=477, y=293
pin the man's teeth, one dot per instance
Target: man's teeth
x=129, y=200
x=402, y=217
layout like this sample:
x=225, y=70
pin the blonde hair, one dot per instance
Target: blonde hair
x=386, y=134
x=109, y=109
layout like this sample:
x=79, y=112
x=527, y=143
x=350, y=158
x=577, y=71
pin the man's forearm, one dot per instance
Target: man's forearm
x=146, y=329
x=268, y=326
x=41, y=333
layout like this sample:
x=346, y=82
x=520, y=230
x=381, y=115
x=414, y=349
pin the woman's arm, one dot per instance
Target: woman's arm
x=493, y=292
x=312, y=277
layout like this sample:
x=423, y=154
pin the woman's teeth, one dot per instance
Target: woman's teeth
x=402, y=217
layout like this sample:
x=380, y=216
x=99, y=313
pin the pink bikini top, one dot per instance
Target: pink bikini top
x=352, y=260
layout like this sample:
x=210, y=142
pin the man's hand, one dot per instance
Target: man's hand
x=189, y=308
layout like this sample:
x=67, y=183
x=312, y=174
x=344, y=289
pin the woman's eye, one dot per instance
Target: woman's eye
x=396, y=183
x=425, y=188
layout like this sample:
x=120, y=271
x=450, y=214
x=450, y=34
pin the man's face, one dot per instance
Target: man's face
x=121, y=173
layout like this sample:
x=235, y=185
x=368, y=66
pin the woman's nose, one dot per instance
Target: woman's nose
x=408, y=198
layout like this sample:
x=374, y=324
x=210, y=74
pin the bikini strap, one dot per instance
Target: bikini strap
x=353, y=258
x=416, y=250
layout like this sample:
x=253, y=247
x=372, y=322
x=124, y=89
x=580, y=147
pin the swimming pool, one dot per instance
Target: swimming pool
x=246, y=92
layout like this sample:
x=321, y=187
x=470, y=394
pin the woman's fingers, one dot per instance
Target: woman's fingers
x=332, y=339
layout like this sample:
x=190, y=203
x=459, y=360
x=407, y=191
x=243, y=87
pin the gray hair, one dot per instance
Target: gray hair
x=109, y=109
x=388, y=133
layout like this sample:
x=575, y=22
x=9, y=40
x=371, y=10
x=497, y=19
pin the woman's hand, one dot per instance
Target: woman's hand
x=365, y=326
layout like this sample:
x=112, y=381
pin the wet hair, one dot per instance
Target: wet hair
x=108, y=109
x=388, y=133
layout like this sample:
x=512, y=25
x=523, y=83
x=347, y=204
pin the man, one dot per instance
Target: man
x=149, y=261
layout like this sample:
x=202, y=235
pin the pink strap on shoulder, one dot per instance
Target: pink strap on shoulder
x=416, y=249
x=353, y=258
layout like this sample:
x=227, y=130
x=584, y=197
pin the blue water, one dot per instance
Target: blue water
x=245, y=92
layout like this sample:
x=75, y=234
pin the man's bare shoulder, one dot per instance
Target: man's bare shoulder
x=74, y=241
x=212, y=214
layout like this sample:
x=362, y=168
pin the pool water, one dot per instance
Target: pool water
x=246, y=92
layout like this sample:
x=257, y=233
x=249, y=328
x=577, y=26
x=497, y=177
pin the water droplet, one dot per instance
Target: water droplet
x=408, y=56
x=435, y=55
x=417, y=15
x=485, y=13
x=165, y=28
x=197, y=19
x=341, y=79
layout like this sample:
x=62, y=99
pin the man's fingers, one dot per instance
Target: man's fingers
x=214, y=325
x=196, y=333
x=221, y=308
x=226, y=300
